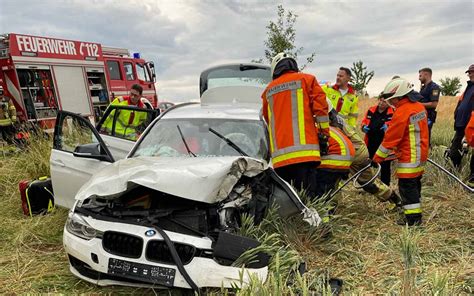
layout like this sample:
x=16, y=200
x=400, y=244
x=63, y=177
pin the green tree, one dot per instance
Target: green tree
x=281, y=37
x=360, y=76
x=450, y=86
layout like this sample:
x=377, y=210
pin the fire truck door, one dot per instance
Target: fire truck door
x=73, y=89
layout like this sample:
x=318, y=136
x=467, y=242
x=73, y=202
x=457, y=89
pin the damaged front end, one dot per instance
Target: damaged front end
x=191, y=223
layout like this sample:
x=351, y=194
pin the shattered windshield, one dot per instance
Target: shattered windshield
x=165, y=139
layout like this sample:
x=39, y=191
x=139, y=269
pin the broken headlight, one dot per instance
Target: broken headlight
x=76, y=225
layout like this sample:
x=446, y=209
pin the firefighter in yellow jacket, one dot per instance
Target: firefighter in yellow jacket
x=7, y=118
x=343, y=97
x=129, y=122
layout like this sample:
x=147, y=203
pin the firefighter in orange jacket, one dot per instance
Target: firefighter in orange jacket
x=336, y=164
x=292, y=103
x=407, y=136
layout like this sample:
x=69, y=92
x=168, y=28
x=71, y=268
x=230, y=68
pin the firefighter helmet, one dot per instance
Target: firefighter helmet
x=278, y=58
x=397, y=88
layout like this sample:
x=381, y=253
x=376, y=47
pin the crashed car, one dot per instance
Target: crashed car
x=168, y=215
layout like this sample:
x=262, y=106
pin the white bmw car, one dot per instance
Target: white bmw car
x=168, y=215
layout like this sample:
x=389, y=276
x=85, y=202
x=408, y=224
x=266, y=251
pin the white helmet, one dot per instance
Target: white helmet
x=278, y=58
x=396, y=88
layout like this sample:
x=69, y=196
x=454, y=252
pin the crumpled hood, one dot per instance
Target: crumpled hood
x=203, y=179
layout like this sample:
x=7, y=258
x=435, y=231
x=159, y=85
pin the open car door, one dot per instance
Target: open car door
x=78, y=152
x=121, y=126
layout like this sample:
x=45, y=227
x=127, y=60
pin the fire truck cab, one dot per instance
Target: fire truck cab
x=43, y=75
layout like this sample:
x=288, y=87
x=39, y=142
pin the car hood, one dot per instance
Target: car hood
x=203, y=179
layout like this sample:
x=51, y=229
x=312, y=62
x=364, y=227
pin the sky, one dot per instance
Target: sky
x=185, y=37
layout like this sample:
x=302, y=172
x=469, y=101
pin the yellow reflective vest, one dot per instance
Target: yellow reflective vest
x=127, y=122
x=7, y=112
x=347, y=106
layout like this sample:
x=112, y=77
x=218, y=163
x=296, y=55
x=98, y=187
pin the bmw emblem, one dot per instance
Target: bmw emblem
x=150, y=232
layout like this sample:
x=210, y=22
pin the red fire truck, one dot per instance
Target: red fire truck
x=45, y=74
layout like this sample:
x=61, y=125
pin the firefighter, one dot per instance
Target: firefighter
x=361, y=159
x=7, y=118
x=430, y=92
x=374, y=125
x=407, y=136
x=292, y=102
x=335, y=165
x=343, y=96
x=129, y=123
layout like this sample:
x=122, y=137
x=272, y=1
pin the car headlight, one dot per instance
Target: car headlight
x=76, y=225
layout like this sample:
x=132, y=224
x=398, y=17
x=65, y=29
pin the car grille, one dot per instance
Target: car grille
x=122, y=244
x=158, y=251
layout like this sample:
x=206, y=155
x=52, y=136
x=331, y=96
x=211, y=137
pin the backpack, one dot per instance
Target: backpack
x=36, y=196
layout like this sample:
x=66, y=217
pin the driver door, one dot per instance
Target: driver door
x=78, y=152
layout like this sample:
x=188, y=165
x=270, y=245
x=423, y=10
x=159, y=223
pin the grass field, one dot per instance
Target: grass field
x=368, y=250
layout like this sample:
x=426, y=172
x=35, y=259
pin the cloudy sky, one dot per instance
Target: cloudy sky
x=185, y=37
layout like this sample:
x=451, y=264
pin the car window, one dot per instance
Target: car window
x=128, y=71
x=126, y=124
x=142, y=73
x=73, y=133
x=114, y=70
x=164, y=139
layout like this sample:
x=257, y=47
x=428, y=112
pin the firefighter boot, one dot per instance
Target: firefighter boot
x=410, y=220
x=395, y=202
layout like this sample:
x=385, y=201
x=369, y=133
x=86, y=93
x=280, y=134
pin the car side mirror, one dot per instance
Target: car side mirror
x=91, y=151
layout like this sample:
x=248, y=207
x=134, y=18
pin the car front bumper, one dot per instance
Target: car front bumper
x=91, y=262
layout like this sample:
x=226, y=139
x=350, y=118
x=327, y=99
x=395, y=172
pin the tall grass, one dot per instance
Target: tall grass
x=372, y=254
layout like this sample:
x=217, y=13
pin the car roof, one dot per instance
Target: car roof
x=214, y=111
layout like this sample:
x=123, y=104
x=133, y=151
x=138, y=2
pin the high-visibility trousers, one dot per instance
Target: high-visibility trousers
x=376, y=188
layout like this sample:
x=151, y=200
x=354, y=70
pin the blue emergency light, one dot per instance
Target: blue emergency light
x=136, y=55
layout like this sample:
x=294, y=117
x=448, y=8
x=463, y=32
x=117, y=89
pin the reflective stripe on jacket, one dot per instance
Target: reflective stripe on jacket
x=408, y=136
x=7, y=113
x=127, y=120
x=291, y=105
x=346, y=106
x=341, y=152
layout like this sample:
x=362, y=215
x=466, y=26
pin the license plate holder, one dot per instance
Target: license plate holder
x=142, y=272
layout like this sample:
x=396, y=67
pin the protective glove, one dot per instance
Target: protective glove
x=365, y=129
x=384, y=127
x=323, y=144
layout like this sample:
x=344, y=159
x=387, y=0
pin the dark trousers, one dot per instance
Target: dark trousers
x=301, y=176
x=327, y=180
x=410, y=190
x=430, y=126
x=7, y=133
x=456, y=148
x=386, y=173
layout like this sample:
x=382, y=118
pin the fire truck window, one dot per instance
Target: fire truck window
x=114, y=70
x=142, y=73
x=128, y=71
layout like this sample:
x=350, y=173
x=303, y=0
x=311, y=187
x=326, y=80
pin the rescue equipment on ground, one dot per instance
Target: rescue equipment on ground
x=36, y=196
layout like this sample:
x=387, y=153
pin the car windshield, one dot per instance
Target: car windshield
x=165, y=139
